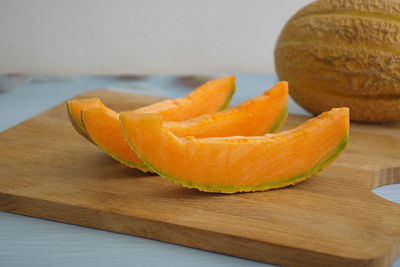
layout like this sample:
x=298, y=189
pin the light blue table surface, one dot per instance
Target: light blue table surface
x=27, y=241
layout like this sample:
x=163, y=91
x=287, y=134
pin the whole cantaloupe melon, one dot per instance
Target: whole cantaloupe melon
x=338, y=53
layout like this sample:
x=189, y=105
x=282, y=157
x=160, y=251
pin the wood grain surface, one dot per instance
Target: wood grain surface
x=333, y=219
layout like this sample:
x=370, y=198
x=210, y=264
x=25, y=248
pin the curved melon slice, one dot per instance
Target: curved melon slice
x=74, y=109
x=256, y=116
x=238, y=164
x=211, y=96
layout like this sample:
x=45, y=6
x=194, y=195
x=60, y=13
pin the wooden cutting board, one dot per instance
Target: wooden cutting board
x=333, y=219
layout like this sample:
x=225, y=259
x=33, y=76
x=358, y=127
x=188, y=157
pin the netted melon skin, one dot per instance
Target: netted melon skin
x=348, y=49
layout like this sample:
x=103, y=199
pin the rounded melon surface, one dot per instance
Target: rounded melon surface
x=262, y=114
x=238, y=164
x=346, y=52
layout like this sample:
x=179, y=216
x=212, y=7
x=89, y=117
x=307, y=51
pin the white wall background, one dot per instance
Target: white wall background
x=148, y=36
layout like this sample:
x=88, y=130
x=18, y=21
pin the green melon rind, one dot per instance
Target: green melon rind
x=281, y=120
x=127, y=163
x=228, y=101
x=236, y=189
x=76, y=124
x=130, y=164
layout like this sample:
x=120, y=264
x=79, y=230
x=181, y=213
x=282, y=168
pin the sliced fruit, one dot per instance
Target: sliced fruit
x=256, y=116
x=74, y=110
x=238, y=164
x=211, y=96
x=103, y=127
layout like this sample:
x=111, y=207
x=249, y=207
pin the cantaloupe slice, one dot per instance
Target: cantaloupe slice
x=238, y=164
x=211, y=96
x=256, y=116
x=74, y=109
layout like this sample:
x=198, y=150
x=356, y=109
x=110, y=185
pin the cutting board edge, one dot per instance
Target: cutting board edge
x=257, y=250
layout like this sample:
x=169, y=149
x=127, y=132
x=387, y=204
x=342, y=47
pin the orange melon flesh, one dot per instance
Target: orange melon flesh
x=256, y=116
x=238, y=164
x=103, y=127
x=211, y=96
x=74, y=109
